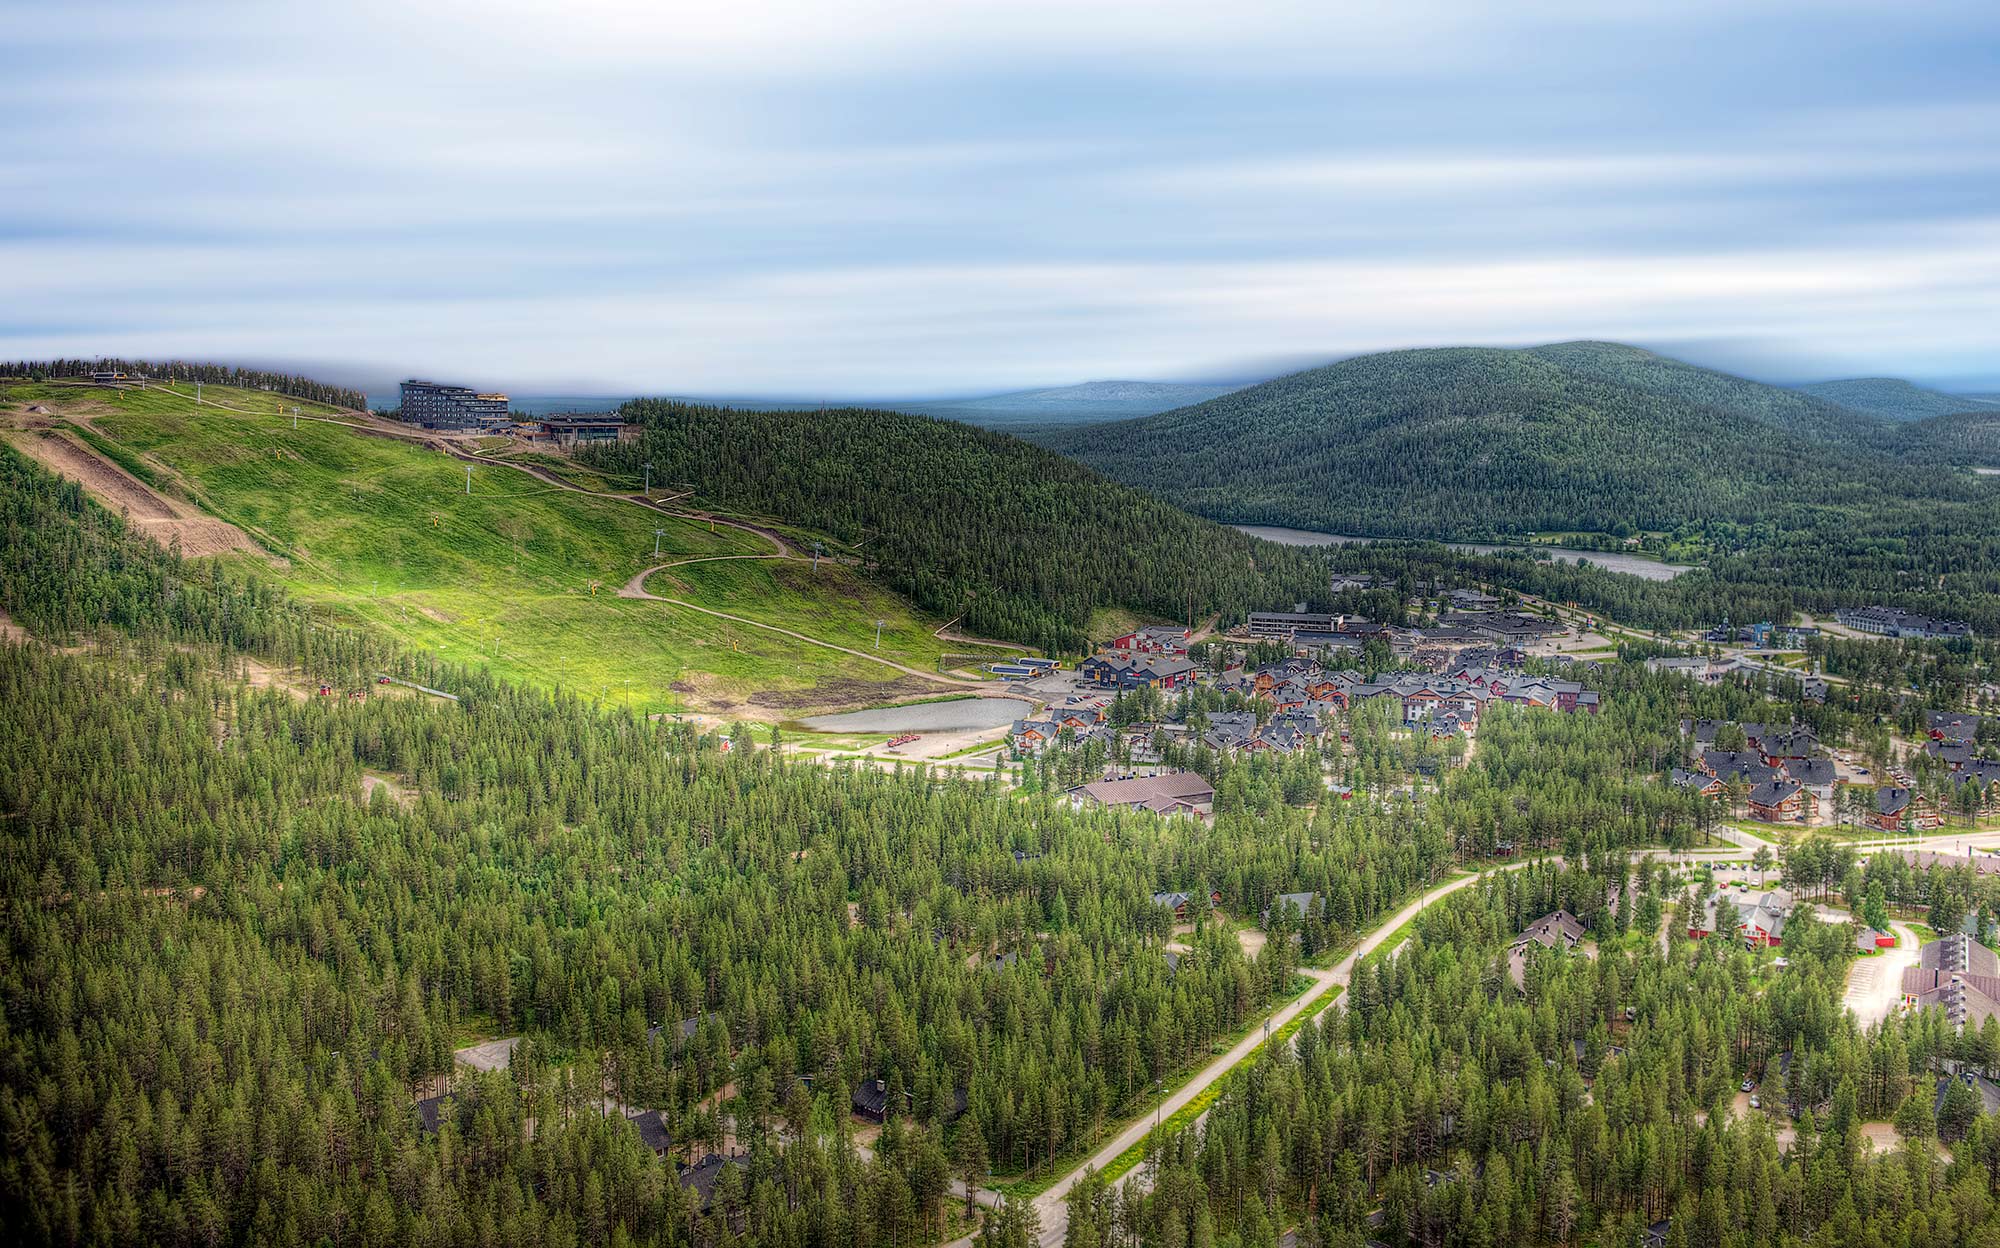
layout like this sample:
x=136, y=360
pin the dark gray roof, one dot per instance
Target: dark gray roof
x=1745, y=763
x=1302, y=902
x=871, y=1096
x=702, y=1177
x=1772, y=792
x=652, y=1127
x=1962, y=724
x=1951, y=753
x=431, y=1113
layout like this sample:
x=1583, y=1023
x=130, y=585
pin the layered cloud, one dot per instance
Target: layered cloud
x=892, y=199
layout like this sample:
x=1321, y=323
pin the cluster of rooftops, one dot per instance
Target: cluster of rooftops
x=1952, y=742
x=1783, y=767
x=1788, y=776
x=1302, y=697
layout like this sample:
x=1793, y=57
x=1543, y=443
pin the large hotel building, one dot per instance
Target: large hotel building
x=434, y=406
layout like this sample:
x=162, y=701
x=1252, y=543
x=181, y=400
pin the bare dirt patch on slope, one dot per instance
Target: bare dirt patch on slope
x=153, y=513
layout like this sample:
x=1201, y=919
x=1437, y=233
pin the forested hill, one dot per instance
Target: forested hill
x=1024, y=543
x=1895, y=399
x=1460, y=442
x=1967, y=438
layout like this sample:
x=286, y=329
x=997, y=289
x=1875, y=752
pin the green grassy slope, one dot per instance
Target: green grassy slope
x=382, y=532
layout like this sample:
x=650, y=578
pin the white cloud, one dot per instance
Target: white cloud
x=888, y=197
x=915, y=330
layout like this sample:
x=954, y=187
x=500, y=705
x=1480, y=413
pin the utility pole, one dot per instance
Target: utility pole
x=468, y=478
x=197, y=392
x=649, y=478
x=817, y=547
x=295, y=422
x=878, y=634
x=657, y=535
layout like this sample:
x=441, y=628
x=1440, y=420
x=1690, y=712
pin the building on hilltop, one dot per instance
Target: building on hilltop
x=568, y=430
x=435, y=406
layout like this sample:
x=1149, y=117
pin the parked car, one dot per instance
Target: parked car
x=1756, y=1102
x=1747, y=1085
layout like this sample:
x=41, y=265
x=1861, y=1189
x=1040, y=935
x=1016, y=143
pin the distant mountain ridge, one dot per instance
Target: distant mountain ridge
x=1895, y=399
x=1461, y=442
x=1083, y=403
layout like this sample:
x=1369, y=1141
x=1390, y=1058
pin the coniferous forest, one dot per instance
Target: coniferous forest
x=245, y=930
x=1787, y=500
x=1022, y=543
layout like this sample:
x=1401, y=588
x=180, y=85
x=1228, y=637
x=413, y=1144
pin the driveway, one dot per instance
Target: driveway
x=1875, y=984
x=489, y=1054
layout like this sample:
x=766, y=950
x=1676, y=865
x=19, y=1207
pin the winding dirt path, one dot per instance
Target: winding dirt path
x=636, y=587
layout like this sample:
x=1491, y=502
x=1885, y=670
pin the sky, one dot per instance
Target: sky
x=889, y=199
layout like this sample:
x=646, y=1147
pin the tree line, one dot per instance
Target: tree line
x=290, y=384
x=1021, y=544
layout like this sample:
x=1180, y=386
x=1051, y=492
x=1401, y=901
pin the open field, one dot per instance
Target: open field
x=788, y=591
x=519, y=573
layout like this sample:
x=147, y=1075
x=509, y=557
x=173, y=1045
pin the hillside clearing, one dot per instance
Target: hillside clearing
x=159, y=517
x=483, y=563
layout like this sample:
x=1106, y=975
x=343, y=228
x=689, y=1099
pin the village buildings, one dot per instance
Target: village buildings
x=1758, y=919
x=1557, y=930
x=1174, y=793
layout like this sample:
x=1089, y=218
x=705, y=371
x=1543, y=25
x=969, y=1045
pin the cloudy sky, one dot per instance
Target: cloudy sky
x=921, y=199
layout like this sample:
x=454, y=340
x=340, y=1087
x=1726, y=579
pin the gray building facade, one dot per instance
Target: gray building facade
x=435, y=406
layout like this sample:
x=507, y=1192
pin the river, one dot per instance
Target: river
x=1609, y=560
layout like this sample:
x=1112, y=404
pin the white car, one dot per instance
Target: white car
x=1756, y=1102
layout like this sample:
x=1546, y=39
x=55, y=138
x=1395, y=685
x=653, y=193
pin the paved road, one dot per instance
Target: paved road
x=1050, y=1204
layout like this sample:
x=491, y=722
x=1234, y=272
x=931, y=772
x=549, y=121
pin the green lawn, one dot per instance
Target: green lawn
x=383, y=533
